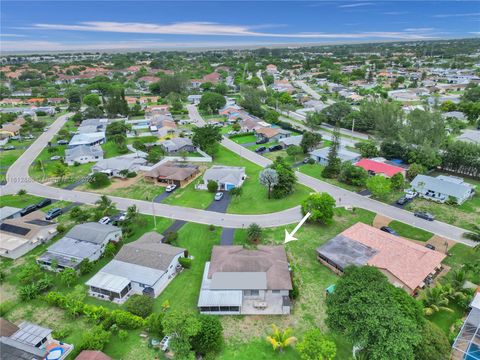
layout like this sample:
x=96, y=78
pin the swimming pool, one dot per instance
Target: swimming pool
x=473, y=353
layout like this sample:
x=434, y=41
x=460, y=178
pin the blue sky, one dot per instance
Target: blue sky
x=97, y=25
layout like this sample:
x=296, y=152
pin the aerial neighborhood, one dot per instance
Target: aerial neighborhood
x=303, y=202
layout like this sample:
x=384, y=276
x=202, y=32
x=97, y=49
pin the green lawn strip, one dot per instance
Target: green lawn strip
x=257, y=349
x=141, y=190
x=143, y=139
x=19, y=201
x=445, y=319
x=226, y=129
x=189, y=197
x=245, y=139
x=315, y=170
x=110, y=149
x=460, y=255
x=8, y=157
x=47, y=173
x=409, y=231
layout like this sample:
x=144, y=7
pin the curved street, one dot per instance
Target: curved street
x=18, y=178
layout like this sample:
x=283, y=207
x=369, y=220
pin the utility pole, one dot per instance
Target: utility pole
x=154, y=217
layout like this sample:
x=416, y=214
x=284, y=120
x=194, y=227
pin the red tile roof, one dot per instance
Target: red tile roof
x=92, y=355
x=379, y=167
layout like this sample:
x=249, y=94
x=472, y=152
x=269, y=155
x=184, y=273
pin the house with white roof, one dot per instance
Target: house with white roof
x=143, y=267
x=321, y=155
x=83, y=154
x=227, y=177
x=114, y=166
x=88, y=139
x=442, y=188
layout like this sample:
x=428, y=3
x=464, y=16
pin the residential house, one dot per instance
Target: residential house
x=466, y=345
x=93, y=126
x=239, y=281
x=83, y=154
x=87, y=139
x=20, y=235
x=458, y=115
x=272, y=69
x=170, y=172
x=117, y=165
x=213, y=78
x=194, y=99
x=379, y=168
x=149, y=79
x=406, y=264
x=442, y=188
x=271, y=134
x=143, y=267
x=227, y=177
x=177, y=145
x=92, y=355
x=9, y=212
x=283, y=86
x=290, y=141
x=29, y=341
x=321, y=155
x=470, y=135
x=84, y=241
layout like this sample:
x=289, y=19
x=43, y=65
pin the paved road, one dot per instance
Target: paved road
x=259, y=75
x=308, y=89
x=195, y=116
x=18, y=178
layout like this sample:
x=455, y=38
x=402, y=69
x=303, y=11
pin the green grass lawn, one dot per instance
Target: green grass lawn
x=19, y=201
x=315, y=170
x=244, y=139
x=110, y=149
x=141, y=190
x=190, y=197
x=46, y=173
x=460, y=255
x=409, y=231
x=445, y=319
x=7, y=158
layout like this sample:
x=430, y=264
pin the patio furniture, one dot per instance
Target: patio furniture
x=260, y=305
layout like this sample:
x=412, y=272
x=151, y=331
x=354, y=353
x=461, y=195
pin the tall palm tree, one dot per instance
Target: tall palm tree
x=459, y=276
x=435, y=299
x=280, y=339
x=474, y=235
x=105, y=205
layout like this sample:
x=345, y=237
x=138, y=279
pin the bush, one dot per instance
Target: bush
x=209, y=340
x=237, y=191
x=211, y=227
x=185, y=262
x=99, y=180
x=171, y=237
x=140, y=305
x=315, y=346
x=95, y=339
x=254, y=233
x=212, y=186
x=21, y=192
x=61, y=228
x=154, y=323
x=5, y=307
x=85, y=266
x=123, y=335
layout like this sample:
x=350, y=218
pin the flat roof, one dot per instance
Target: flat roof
x=133, y=272
x=239, y=281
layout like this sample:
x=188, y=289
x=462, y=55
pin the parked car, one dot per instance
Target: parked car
x=62, y=142
x=424, y=215
x=170, y=188
x=261, y=141
x=410, y=194
x=55, y=157
x=389, y=230
x=28, y=209
x=46, y=128
x=403, y=200
x=306, y=160
x=29, y=136
x=9, y=147
x=430, y=246
x=53, y=213
x=218, y=196
x=260, y=149
x=119, y=217
x=43, y=203
x=275, y=148
x=104, y=220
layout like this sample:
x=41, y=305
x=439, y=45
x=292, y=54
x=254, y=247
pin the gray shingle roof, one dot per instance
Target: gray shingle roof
x=83, y=150
x=441, y=185
x=14, y=350
x=92, y=232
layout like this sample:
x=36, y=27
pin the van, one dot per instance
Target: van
x=53, y=213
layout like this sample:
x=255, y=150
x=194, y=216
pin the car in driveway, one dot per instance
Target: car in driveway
x=104, y=220
x=430, y=246
x=28, y=209
x=170, y=188
x=55, y=157
x=9, y=147
x=424, y=215
x=43, y=203
x=261, y=141
x=218, y=196
x=410, y=194
x=389, y=230
x=53, y=213
x=275, y=148
x=260, y=149
x=403, y=200
x=118, y=218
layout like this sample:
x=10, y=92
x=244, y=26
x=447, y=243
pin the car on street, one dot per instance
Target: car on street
x=261, y=141
x=53, y=213
x=424, y=215
x=46, y=128
x=30, y=136
x=275, y=148
x=218, y=196
x=410, y=194
x=62, y=142
x=403, y=200
x=104, y=220
x=55, y=157
x=43, y=203
x=170, y=188
x=389, y=230
x=260, y=149
x=430, y=246
x=28, y=209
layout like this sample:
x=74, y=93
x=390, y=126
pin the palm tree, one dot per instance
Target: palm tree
x=280, y=339
x=452, y=293
x=459, y=276
x=435, y=299
x=105, y=205
x=474, y=235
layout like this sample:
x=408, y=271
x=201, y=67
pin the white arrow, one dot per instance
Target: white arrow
x=289, y=236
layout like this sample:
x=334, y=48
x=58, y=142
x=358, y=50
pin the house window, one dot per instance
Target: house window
x=252, y=293
x=275, y=291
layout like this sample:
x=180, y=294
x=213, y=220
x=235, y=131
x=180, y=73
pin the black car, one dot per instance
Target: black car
x=389, y=230
x=53, y=213
x=403, y=200
x=275, y=148
x=260, y=149
x=43, y=203
x=62, y=142
x=28, y=209
x=424, y=215
x=261, y=141
x=430, y=246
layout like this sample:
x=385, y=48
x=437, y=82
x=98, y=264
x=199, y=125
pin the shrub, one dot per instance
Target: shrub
x=154, y=323
x=2, y=276
x=131, y=174
x=254, y=233
x=28, y=292
x=315, y=346
x=126, y=320
x=5, y=307
x=123, y=335
x=171, y=237
x=185, y=262
x=85, y=266
x=209, y=340
x=140, y=305
x=21, y=192
x=99, y=180
x=61, y=228
x=237, y=191
x=212, y=186
x=95, y=339
x=211, y=227
x=61, y=333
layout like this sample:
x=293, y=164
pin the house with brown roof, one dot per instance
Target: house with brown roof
x=170, y=172
x=406, y=264
x=92, y=355
x=246, y=281
x=271, y=134
x=145, y=266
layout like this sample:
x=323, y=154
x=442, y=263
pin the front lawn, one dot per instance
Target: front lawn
x=139, y=190
x=190, y=197
x=45, y=173
x=315, y=170
x=110, y=149
x=409, y=231
x=19, y=201
x=245, y=139
x=7, y=158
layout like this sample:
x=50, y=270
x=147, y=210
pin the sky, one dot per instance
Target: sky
x=63, y=25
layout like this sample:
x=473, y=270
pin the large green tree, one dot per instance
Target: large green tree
x=286, y=179
x=211, y=102
x=320, y=206
x=207, y=138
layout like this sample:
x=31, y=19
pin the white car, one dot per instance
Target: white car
x=105, y=220
x=218, y=196
x=170, y=188
x=410, y=194
x=56, y=157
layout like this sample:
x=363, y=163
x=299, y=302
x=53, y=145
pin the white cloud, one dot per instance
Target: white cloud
x=456, y=15
x=395, y=13
x=11, y=35
x=355, y=5
x=216, y=29
x=418, y=29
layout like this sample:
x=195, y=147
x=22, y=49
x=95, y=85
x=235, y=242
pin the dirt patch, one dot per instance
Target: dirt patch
x=7, y=293
x=381, y=220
